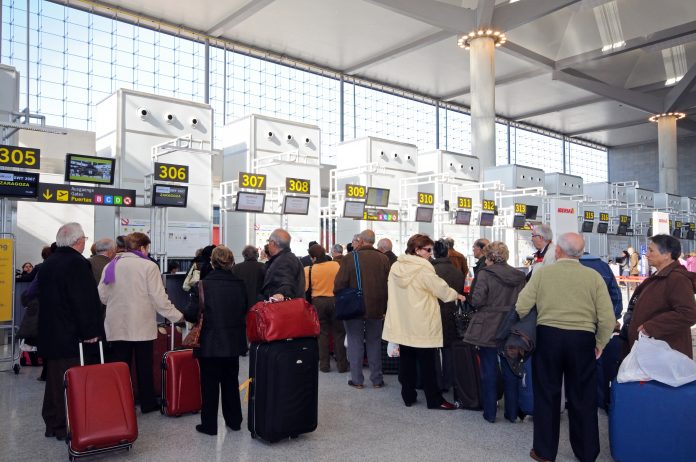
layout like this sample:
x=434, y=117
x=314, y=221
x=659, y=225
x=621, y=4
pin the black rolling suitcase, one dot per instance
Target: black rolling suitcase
x=284, y=389
x=467, y=377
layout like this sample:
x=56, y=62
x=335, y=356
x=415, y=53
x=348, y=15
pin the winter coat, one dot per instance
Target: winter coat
x=609, y=279
x=497, y=287
x=374, y=268
x=413, y=317
x=252, y=273
x=284, y=275
x=666, y=308
x=224, y=316
x=455, y=279
x=70, y=309
x=458, y=260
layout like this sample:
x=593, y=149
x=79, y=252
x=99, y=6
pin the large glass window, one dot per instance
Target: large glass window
x=589, y=163
x=536, y=150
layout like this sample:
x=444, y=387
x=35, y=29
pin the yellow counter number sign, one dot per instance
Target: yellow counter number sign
x=297, y=185
x=603, y=217
x=425, y=198
x=488, y=205
x=15, y=156
x=464, y=202
x=355, y=191
x=589, y=215
x=252, y=181
x=171, y=172
x=521, y=209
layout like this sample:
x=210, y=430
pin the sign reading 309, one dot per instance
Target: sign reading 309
x=252, y=181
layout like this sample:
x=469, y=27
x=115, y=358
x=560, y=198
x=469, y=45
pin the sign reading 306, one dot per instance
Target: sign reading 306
x=252, y=181
x=171, y=172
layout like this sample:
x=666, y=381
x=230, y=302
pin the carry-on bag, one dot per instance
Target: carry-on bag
x=268, y=321
x=284, y=389
x=466, y=379
x=349, y=301
x=181, y=383
x=99, y=406
x=652, y=422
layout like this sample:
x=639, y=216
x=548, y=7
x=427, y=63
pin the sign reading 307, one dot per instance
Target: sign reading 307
x=252, y=181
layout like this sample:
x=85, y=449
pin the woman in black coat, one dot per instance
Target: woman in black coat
x=454, y=278
x=222, y=341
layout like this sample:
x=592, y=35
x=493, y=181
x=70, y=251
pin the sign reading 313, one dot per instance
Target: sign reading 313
x=171, y=172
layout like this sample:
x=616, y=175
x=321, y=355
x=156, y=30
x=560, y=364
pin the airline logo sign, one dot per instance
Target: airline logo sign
x=84, y=195
x=566, y=210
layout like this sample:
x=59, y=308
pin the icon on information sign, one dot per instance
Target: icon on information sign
x=118, y=200
x=127, y=200
x=98, y=199
x=109, y=200
x=62, y=195
x=380, y=216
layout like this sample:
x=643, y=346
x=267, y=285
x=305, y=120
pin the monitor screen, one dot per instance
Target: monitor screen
x=676, y=232
x=89, y=169
x=518, y=221
x=295, y=205
x=164, y=195
x=531, y=213
x=602, y=228
x=424, y=214
x=377, y=197
x=250, y=202
x=463, y=217
x=690, y=235
x=650, y=232
x=621, y=230
x=587, y=226
x=18, y=184
x=353, y=209
x=486, y=219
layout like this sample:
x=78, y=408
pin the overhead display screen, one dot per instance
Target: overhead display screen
x=169, y=196
x=377, y=197
x=89, y=169
x=518, y=221
x=587, y=226
x=602, y=228
x=353, y=209
x=250, y=202
x=622, y=230
x=19, y=184
x=424, y=214
x=295, y=205
x=463, y=217
x=531, y=212
x=486, y=219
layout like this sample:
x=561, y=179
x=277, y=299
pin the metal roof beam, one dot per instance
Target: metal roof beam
x=498, y=83
x=243, y=13
x=558, y=108
x=445, y=16
x=399, y=51
x=484, y=13
x=508, y=16
x=527, y=55
x=605, y=127
x=677, y=95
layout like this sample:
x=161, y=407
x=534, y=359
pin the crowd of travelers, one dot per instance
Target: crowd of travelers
x=410, y=301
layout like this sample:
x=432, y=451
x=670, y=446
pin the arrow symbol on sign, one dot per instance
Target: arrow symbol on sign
x=47, y=194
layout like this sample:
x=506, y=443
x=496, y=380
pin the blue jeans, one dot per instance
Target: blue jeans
x=490, y=370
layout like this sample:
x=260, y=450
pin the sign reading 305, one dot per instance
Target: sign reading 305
x=15, y=156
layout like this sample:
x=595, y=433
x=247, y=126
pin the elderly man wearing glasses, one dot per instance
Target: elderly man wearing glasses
x=546, y=250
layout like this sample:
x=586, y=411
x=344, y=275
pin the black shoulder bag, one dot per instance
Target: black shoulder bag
x=349, y=301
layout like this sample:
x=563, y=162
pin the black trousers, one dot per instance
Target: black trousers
x=220, y=375
x=568, y=354
x=410, y=360
x=53, y=410
x=326, y=310
x=122, y=351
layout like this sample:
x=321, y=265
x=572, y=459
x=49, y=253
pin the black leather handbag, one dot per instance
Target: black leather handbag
x=462, y=317
x=349, y=301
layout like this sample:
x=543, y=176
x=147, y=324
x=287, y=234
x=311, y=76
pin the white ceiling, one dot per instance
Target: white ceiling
x=551, y=74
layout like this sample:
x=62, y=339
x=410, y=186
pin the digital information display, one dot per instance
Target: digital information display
x=602, y=227
x=463, y=217
x=424, y=214
x=355, y=191
x=85, y=195
x=295, y=205
x=589, y=215
x=377, y=197
x=89, y=169
x=252, y=181
x=531, y=212
x=521, y=209
x=169, y=196
x=171, y=172
x=250, y=202
x=518, y=222
x=486, y=218
x=353, y=209
x=603, y=216
x=425, y=198
x=19, y=184
x=381, y=215
x=624, y=220
x=587, y=226
x=464, y=202
x=15, y=156
x=297, y=185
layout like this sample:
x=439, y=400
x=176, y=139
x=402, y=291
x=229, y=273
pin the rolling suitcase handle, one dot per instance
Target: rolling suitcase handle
x=82, y=355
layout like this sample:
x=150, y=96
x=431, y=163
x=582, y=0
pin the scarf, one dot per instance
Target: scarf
x=110, y=271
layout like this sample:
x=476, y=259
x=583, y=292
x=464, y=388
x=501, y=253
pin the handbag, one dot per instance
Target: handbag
x=349, y=301
x=193, y=276
x=462, y=317
x=308, y=292
x=269, y=321
x=193, y=338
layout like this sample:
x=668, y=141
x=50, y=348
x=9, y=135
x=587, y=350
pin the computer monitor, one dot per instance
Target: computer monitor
x=690, y=235
x=19, y=184
x=165, y=195
x=531, y=213
x=463, y=217
x=296, y=205
x=650, y=233
x=602, y=228
x=486, y=219
x=621, y=230
x=518, y=221
x=676, y=232
x=424, y=214
x=250, y=202
x=377, y=197
x=587, y=226
x=353, y=209
x=89, y=169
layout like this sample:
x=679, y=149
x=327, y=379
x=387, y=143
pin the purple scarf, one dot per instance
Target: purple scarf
x=110, y=271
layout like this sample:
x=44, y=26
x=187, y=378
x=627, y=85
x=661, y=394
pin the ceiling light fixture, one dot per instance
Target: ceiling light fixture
x=677, y=115
x=465, y=40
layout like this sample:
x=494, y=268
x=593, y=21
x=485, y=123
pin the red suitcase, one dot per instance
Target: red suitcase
x=269, y=321
x=181, y=383
x=164, y=342
x=100, y=408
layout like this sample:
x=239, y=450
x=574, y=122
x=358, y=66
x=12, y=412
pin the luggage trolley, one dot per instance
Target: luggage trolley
x=9, y=350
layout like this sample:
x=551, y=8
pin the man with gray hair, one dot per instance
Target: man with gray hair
x=252, y=272
x=575, y=321
x=337, y=253
x=542, y=238
x=284, y=273
x=70, y=313
x=385, y=246
x=105, y=249
x=365, y=331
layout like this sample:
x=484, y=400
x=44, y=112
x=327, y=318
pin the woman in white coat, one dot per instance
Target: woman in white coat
x=413, y=319
x=132, y=290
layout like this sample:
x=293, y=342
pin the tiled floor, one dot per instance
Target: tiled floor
x=354, y=425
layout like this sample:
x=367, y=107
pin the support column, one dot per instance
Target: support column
x=482, y=72
x=667, y=154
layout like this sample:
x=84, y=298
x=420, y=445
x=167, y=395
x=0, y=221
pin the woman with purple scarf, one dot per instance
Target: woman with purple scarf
x=132, y=290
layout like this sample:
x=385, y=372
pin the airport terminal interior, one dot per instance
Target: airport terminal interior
x=218, y=122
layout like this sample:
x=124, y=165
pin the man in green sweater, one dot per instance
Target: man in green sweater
x=575, y=321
